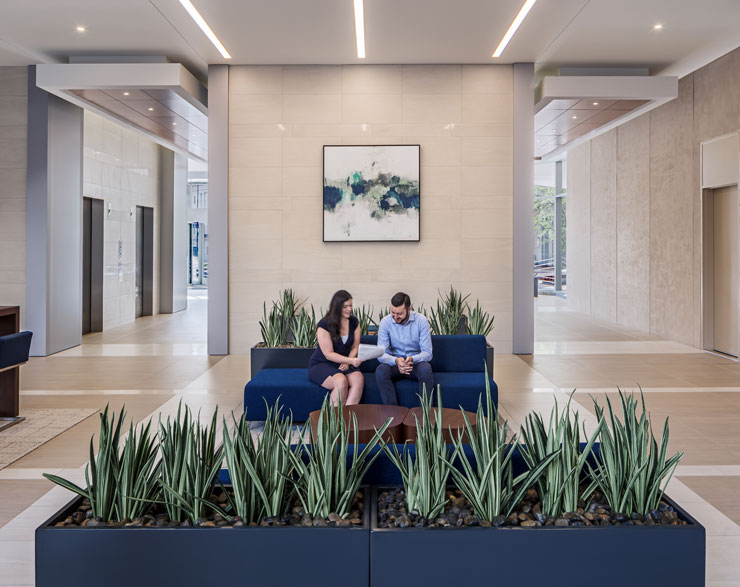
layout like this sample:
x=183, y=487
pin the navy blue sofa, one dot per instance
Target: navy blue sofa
x=14, y=348
x=458, y=364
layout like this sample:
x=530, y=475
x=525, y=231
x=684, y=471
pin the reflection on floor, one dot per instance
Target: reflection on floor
x=151, y=365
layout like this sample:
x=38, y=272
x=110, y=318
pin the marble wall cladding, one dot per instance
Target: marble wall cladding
x=578, y=235
x=13, y=137
x=633, y=224
x=658, y=215
x=671, y=217
x=280, y=118
x=604, y=226
x=121, y=167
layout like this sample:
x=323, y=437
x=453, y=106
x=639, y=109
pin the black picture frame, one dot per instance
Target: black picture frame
x=323, y=183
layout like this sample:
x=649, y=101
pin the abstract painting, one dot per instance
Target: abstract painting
x=371, y=193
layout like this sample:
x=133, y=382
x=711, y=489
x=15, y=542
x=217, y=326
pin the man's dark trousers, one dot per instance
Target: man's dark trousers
x=385, y=375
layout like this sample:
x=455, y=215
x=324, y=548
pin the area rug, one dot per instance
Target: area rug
x=39, y=427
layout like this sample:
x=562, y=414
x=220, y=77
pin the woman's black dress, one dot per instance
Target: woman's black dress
x=319, y=367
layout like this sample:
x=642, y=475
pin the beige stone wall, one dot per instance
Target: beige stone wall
x=604, y=226
x=578, y=235
x=655, y=251
x=121, y=167
x=13, y=139
x=280, y=117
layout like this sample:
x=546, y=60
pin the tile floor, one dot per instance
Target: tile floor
x=153, y=364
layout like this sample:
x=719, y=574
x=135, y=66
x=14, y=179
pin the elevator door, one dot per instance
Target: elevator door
x=726, y=270
x=92, y=265
x=139, y=261
x=144, y=261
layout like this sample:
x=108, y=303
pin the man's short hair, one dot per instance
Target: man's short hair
x=401, y=299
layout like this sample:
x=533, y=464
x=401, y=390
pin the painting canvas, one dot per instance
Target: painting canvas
x=371, y=193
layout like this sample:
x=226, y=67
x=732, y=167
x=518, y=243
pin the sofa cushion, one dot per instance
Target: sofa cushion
x=450, y=353
x=458, y=390
x=296, y=392
x=302, y=396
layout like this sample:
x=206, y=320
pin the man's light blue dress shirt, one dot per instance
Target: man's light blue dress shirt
x=413, y=339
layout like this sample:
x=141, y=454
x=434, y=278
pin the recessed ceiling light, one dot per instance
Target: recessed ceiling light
x=360, y=28
x=81, y=29
x=575, y=117
x=514, y=26
x=658, y=27
x=201, y=22
x=174, y=124
x=150, y=109
x=127, y=93
x=554, y=130
x=596, y=103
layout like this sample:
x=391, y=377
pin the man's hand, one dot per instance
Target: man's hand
x=405, y=365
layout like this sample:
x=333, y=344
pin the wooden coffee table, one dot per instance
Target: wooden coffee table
x=370, y=417
x=451, y=418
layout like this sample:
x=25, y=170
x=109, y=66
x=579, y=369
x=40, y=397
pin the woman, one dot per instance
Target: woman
x=334, y=365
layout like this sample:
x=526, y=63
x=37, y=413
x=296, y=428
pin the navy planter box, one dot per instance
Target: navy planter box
x=279, y=358
x=638, y=556
x=153, y=557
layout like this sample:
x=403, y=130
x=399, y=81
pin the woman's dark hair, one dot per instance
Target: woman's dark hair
x=334, y=313
x=401, y=299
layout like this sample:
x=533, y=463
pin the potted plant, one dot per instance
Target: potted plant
x=275, y=499
x=509, y=508
x=288, y=335
x=454, y=315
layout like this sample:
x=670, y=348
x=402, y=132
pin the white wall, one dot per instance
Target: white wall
x=281, y=116
x=13, y=137
x=121, y=167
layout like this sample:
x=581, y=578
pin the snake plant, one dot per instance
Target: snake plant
x=559, y=486
x=631, y=470
x=487, y=481
x=190, y=464
x=425, y=475
x=328, y=472
x=259, y=471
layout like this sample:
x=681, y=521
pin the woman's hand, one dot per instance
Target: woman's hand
x=343, y=366
x=355, y=362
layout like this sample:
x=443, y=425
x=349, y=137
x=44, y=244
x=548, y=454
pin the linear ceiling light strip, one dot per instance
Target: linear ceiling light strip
x=360, y=28
x=514, y=26
x=201, y=22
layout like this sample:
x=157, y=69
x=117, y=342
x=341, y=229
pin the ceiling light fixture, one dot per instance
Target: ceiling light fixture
x=575, y=117
x=596, y=103
x=360, y=28
x=127, y=93
x=514, y=26
x=201, y=22
x=658, y=27
x=81, y=29
x=150, y=109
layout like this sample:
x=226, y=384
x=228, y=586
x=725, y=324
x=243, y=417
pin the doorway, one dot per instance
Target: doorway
x=92, y=265
x=144, y=261
x=726, y=273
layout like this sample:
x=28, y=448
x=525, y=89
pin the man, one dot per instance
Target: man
x=407, y=343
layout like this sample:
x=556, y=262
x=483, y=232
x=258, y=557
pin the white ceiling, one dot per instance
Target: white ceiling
x=556, y=32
